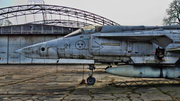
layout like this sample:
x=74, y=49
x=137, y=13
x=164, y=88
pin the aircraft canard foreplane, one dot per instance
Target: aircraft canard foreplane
x=141, y=48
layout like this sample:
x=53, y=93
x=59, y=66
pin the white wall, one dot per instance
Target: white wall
x=8, y=45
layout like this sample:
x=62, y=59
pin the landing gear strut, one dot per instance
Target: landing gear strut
x=91, y=80
x=159, y=53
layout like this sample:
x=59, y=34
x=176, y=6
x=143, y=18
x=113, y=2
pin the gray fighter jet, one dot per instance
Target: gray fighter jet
x=147, y=51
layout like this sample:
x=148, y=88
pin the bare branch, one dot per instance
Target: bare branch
x=173, y=13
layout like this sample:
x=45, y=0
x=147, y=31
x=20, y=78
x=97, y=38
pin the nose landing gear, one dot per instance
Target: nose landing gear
x=91, y=80
x=159, y=54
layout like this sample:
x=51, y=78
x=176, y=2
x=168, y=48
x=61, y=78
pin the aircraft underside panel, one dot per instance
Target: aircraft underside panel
x=152, y=60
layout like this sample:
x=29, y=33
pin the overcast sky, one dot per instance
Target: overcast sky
x=124, y=12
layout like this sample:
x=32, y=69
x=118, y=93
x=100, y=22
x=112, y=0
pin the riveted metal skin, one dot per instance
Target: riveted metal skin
x=133, y=45
x=136, y=44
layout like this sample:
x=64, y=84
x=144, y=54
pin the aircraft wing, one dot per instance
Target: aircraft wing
x=161, y=40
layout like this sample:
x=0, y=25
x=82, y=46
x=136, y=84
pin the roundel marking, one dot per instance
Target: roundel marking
x=80, y=45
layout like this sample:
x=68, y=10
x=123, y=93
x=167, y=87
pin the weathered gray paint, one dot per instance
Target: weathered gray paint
x=111, y=43
x=145, y=71
x=35, y=29
x=135, y=45
x=3, y=49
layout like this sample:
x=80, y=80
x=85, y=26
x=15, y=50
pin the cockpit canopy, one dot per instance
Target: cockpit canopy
x=86, y=30
x=92, y=29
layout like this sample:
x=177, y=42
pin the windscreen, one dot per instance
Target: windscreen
x=85, y=30
x=92, y=29
x=77, y=32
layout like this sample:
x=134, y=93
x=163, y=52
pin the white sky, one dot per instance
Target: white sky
x=124, y=12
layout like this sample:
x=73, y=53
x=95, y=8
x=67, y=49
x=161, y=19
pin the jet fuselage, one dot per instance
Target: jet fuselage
x=132, y=44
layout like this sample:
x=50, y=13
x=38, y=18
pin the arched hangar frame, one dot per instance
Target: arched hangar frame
x=81, y=15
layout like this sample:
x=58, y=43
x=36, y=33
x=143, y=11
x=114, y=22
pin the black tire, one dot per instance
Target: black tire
x=91, y=80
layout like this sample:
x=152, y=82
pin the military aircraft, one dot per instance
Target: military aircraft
x=147, y=51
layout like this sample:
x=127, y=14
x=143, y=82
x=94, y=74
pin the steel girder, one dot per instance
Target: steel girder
x=22, y=10
x=62, y=22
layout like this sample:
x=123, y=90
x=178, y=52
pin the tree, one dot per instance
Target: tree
x=173, y=11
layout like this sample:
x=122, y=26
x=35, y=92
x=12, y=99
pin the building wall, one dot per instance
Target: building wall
x=19, y=36
x=8, y=45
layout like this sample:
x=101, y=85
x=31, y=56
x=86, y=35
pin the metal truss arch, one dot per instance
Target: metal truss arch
x=62, y=22
x=70, y=13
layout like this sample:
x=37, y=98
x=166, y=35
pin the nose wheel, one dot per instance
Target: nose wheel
x=91, y=80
